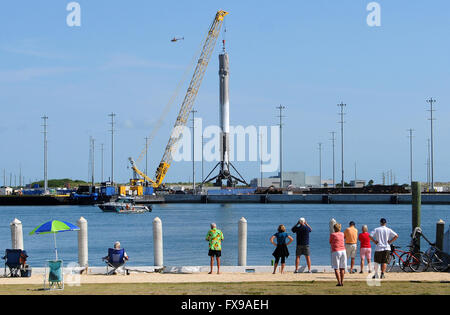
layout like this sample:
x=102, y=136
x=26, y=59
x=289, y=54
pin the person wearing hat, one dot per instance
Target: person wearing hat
x=383, y=237
x=302, y=229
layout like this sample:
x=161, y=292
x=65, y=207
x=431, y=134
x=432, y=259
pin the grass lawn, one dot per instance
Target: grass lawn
x=246, y=288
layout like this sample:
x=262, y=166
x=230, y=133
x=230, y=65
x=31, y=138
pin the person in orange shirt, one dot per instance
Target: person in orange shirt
x=351, y=240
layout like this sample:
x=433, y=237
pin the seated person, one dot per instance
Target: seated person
x=117, y=247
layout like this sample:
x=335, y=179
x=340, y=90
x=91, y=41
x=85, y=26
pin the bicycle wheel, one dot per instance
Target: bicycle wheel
x=418, y=262
x=391, y=263
x=404, y=261
x=437, y=262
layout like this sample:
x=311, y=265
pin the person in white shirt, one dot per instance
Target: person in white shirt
x=383, y=237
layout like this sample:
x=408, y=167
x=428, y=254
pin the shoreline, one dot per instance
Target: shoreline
x=229, y=274
x=311, y=198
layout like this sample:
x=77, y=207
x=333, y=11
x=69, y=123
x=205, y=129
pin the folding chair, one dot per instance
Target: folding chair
x=114, y=260
x=13, y=262
x=55, y=275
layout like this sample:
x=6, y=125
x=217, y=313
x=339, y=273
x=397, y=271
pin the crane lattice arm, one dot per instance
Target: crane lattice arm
x=188, y=102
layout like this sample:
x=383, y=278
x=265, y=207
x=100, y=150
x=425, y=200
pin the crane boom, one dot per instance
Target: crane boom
x=188, y=102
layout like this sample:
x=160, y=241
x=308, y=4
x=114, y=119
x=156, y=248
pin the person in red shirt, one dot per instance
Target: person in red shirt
x=365, y=248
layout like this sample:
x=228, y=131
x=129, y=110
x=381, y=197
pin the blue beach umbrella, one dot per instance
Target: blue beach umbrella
x=54, y=226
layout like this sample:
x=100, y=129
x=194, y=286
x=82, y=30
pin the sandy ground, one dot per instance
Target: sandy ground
x=229, y=277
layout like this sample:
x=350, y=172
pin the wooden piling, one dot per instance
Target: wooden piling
x=440, y=231
x=416, y=200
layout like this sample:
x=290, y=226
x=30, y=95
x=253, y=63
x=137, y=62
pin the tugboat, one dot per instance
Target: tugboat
x=124, y=205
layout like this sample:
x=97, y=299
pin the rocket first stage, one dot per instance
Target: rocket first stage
x=224, y=121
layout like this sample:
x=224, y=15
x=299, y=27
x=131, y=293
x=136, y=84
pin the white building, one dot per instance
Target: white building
x=6, y=191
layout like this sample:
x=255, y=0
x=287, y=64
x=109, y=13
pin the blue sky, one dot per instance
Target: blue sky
x=306, y=55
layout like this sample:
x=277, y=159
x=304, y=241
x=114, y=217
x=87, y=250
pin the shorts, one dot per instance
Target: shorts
x=365, y=253
x=339, y=260
x=382, y=257
x=302, y=250
x=283, y=259
x=350, y=250
x=213, y=253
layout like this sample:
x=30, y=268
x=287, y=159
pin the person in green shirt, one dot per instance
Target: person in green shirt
x=214, y=237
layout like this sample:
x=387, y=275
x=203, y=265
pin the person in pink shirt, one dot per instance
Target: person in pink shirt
x=338, y=254
x=365, y=248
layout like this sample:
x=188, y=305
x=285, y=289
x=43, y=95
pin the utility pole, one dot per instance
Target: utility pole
x=102, y=150
x=431, y=101
x=281, y=144
x=146, y=156
x=355, y=174
x=410, y=154
x=428, y=165
x=342, y=105
x=260, y=158
x=333, y=139
x=45, y=118
x=203, y=143
x=93, y=162
x=320, y=164
x=193, y=150
x=112, y=115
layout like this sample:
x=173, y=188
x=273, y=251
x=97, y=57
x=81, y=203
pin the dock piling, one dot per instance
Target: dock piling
x=83, y=243
x=416, y=200
x=331, y=224
x=440, y=230
x=242, y=245
x=157, y=242
x=16, y=234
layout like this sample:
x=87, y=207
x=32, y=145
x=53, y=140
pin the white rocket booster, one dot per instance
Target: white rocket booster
x=224, y=70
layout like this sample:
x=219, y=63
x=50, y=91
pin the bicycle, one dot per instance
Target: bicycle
x=438, y=260
x=407, y=260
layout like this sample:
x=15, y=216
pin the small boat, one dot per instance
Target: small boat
x=124, y=205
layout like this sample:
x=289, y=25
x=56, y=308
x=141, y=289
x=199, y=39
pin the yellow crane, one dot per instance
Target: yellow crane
x=186, y=107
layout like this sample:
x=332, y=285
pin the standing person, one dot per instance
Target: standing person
x=365, y=250
x=302, y=229
x=338, y=254
x=281, y=250
x=351, y=240
x=383, y=237
x=215, y=238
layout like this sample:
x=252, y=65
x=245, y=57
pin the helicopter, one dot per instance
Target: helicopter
x=173, y=40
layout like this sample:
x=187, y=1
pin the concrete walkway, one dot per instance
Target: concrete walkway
x=228, y=274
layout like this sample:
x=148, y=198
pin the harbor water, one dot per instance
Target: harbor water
x=185, y=227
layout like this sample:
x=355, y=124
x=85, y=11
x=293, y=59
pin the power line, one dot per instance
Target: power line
x=320, y=164
x=193, y=150
x=112, y=115
x=410, y=154
x=431, y=101
x=342, y=105
x=333, y=139
x=281, y=143
x=45, y=118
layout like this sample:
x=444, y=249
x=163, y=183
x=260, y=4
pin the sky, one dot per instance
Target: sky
x=306, y=55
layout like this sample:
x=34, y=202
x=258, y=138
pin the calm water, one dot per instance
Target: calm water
x=185, y=227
